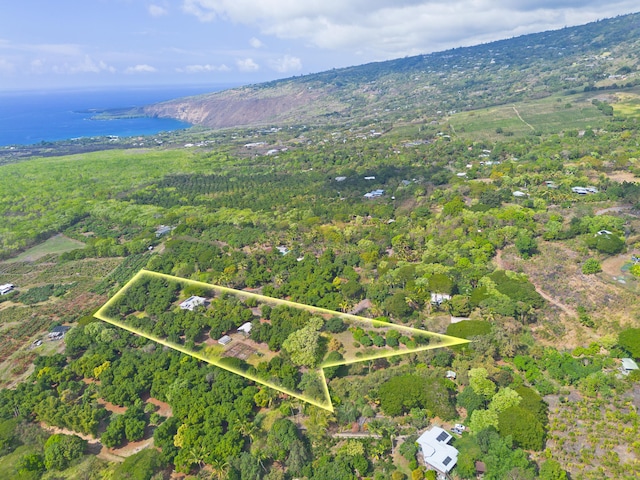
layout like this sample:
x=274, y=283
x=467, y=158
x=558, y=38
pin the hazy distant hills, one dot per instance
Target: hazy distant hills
x=599, y=55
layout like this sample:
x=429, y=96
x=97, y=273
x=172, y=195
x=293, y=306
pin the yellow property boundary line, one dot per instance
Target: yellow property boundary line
x=447, y=341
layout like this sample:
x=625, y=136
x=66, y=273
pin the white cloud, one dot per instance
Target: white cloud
x=6, y=66
x=143, y=68
x=286, y=64
x=157, y=10
x=256, y=43
x=37, y=65
x=203, y=68
x=247, y=65
x=387, y=28
x=88, y=65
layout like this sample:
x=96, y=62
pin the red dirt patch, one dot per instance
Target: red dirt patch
x=164, y=409
x=612, y=266
x=111, y=407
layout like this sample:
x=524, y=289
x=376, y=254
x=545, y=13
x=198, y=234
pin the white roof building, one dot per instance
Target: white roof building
x=6, y=288
x=245, y=327
x=192, y=302
x=436, y=450
x=628, y=366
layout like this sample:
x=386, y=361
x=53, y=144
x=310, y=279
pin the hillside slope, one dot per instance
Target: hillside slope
x=601, y=54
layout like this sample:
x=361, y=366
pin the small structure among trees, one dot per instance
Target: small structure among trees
x=628, y=366
x=192, y=302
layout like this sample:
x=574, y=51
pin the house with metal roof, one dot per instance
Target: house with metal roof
x=58, y=332
x=628, y=366
x=192, y=302
x=163, y=230
x=437, y=452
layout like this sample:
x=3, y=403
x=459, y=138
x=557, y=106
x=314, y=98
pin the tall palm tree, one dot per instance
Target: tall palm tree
x=245, y=428
x=219, y=468
x=197, y=454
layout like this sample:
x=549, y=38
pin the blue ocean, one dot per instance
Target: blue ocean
x=34, y=116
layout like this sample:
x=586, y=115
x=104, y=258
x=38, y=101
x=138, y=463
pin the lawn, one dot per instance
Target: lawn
x=55, y=245
x=8, y=463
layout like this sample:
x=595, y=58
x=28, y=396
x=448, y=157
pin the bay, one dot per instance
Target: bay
x=31, y=117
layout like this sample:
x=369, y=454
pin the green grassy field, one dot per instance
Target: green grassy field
x=628, y=105
x=548, y=115
x=55, y=245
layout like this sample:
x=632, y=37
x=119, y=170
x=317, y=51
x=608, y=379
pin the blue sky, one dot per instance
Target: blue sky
x=85, y=43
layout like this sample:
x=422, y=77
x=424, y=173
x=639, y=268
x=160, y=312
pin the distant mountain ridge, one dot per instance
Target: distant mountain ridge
x=598, y=55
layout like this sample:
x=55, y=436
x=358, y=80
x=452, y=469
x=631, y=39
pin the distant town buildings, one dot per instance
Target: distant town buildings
x=374, y=194
x=584, y=190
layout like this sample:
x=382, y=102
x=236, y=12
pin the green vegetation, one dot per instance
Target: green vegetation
x=538, y=387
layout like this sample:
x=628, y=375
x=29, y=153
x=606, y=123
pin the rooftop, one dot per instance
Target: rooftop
x=629, y=364
x=436, y=449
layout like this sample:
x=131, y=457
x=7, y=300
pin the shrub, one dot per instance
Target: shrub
x=335, y=325
x=609, y=244
x=141, y=466
x=591, y=266
x=60, y=450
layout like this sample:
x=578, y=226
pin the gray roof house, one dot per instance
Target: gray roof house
x=437, y=452
x=58, y=332
x=192, y=302
x=163, y=230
